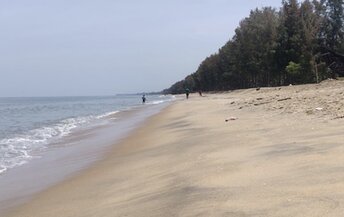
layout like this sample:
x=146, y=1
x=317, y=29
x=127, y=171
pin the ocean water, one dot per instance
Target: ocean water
x=30, y=125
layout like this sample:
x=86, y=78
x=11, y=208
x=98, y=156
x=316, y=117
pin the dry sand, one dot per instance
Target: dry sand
x=280, y=153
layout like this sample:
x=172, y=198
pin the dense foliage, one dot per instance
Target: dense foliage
x=273, y=47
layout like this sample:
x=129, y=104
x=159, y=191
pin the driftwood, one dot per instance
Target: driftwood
x=284, y=99
x=262, y=103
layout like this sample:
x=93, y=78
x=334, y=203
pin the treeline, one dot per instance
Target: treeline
x=273, y=47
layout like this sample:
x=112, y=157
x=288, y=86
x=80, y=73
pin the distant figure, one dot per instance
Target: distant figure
x=187, y=91
x=143, y=98
x=200, y=93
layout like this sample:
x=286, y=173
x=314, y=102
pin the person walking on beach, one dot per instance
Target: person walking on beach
x=187, y=91
x=143, y=98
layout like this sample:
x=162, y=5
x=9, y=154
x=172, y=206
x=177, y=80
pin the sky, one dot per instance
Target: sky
x=107, y=47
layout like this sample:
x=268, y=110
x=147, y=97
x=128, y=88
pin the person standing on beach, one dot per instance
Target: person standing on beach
x=143, y=98
x=187, y=91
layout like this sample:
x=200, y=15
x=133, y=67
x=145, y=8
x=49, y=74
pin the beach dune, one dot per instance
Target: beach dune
x=272, y=152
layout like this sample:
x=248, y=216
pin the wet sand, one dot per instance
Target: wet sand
x=69, y=156
x=280, y=153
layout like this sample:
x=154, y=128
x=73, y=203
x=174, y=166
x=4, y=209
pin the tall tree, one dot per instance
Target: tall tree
x=273, y=48
x=290, y=40
x=334, y=24
x=311, y=23
x=255, y=43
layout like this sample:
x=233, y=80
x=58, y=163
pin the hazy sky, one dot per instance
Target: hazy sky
x=103, y=47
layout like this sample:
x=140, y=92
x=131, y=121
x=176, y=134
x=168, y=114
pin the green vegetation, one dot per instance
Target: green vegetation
x=273, y=47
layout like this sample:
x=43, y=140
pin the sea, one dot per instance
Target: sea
x=38, y=135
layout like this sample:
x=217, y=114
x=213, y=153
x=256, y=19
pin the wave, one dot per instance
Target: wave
x=156, y=102
x=107, y=114
x=18, y=150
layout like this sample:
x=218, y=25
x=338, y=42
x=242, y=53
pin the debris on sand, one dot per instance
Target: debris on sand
x=279, y=100
x=231, y=119
x=324, y=100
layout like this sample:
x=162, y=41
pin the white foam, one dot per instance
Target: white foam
x=156, y=102
x=19, y=150
x=2, y=169
x=107, y=114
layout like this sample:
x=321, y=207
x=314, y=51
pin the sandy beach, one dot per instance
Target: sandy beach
x=268, y=152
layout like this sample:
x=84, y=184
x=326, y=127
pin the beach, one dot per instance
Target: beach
x=257, y=152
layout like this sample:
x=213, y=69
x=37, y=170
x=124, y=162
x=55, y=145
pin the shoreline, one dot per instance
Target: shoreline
x=69, y=157
x=189, y=161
